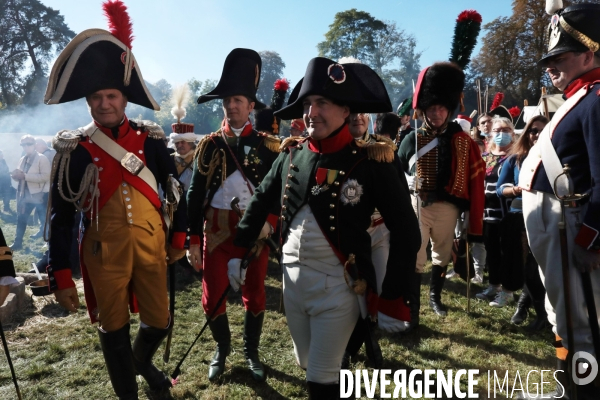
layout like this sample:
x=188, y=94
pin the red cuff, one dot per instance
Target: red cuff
x=273, y=220
x=588, y=238
x=178, y=240
x=394, y=308
x=195, y=239
x=58, y=280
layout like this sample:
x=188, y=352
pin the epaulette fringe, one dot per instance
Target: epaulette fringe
x=289, y=142
x=272, y=142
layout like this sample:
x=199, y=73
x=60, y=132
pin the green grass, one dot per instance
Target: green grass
x=57, y=355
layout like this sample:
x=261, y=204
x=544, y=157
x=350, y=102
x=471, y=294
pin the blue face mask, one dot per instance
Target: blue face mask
x=502, y=139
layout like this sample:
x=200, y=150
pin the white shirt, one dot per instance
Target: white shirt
x=306, y=245
x=234, y=186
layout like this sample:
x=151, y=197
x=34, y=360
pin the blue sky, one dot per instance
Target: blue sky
x=182, y=39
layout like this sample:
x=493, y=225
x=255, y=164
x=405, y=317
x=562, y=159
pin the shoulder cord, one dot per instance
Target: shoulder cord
x=215, y=161
x=87, y=187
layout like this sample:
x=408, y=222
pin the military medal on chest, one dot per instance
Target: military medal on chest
x=246, y=152
x=325, y=178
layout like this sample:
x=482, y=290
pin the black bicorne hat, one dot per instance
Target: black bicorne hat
x=95, y=60
x=240, y=77
x=440, y=84
x=354, y=85
x=576, y=28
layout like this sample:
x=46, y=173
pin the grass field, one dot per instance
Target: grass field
x=57, y=355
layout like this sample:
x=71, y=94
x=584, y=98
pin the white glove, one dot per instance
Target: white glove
x=236, y=275
x=410, y=180
x=390, y=324
x=194, y=257
x=266, y=231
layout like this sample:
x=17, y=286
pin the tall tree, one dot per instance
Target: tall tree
x=382, y=45
x=272, y=69
x=31, y=33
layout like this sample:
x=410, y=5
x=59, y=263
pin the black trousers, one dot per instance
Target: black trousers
x=491, y=240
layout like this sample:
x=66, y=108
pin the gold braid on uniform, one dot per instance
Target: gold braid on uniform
x=271, y=142
x=64, y=143
x=215, y=160
x=289, y=142
x=381, y=149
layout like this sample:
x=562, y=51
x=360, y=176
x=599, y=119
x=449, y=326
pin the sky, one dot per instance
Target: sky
x=178, y=40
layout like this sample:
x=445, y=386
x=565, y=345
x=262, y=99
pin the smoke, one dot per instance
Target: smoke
x=45, y=121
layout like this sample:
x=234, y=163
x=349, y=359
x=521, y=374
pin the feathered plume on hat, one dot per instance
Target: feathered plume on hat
x=514, y=112
x=180, y=97
x=468, y=25
x=119, y=23
x=264, y=119
x=497, y=100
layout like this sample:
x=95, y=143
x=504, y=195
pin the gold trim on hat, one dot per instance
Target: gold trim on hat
x=579, y=36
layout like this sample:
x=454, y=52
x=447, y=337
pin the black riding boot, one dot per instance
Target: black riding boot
x=116, y=348
x=415, y=303
x=145, y=345
x=372, y=347
x=222, y=335
x=252, y=330
x=438, y=277
x=357, y=338
x=522, y=308
x=323, y=391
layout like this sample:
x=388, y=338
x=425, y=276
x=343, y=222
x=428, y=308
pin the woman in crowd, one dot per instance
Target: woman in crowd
x=517, y=260
x=494, y=210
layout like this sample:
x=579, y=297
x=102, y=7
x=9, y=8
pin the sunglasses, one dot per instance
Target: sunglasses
x=26, y=144
x=534, y=131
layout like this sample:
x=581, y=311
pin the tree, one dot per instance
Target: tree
x=389, y=50
x=29, y=33
x=272, y=69
x=352, y=34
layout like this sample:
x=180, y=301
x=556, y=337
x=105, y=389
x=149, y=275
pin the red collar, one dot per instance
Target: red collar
x=123, y=128
x=332, y=143
x=226, y=129
x=588, y=77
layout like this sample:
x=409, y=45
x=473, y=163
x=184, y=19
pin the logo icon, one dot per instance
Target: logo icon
x=584, y=367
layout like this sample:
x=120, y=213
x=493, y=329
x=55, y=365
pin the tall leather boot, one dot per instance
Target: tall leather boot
x=222, y=335
x=252, y=330
x=522, y=308
x=323, y=391
x=145, y=345
x=116, y=348
x=438, y=277
x=372, y=348
x=18, y=243
x=357, y=338
x=415, y=303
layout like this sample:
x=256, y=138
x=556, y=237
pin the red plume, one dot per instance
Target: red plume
x=497, y=100
x=469, y=15
x=514, y=111
x=282, y=84
x=119, y=22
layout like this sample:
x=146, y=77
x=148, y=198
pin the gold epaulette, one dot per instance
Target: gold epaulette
x=154, y=130
x=386, y=140
x=272, y=142
x=290, y=141
x=66, y=141
x=378, y=151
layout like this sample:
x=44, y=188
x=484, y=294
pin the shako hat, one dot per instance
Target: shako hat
x=97, y=59
x=240, y=77
x=575, y=28
x=354, y=85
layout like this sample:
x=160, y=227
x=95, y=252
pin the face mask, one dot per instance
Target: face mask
x=502, y=139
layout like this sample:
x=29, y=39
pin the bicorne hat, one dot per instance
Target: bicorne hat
x=354, y=85
x=240, y=77
x=97, y=59
x=575, y=28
